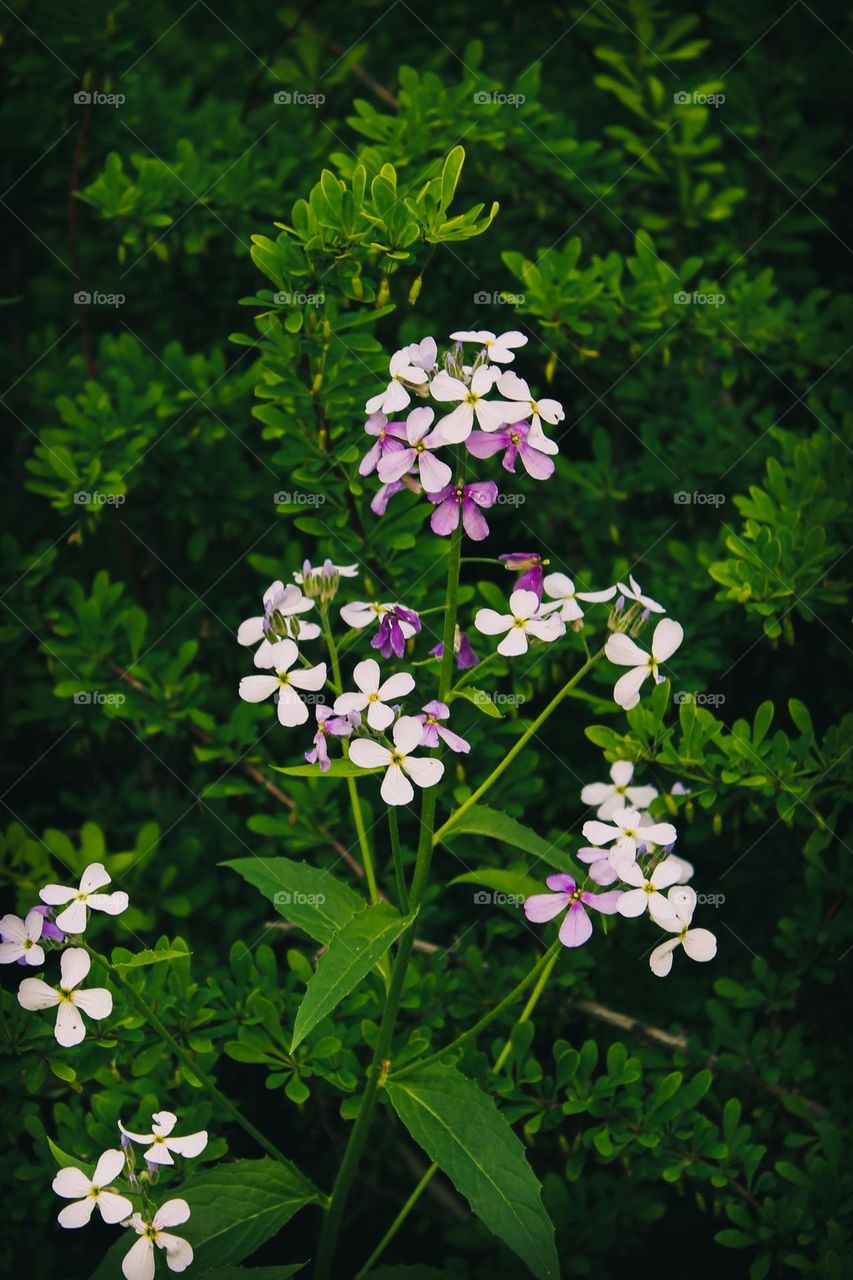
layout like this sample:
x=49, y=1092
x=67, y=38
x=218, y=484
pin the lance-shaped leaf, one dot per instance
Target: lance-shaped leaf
x=462, y=1131
x=306, y=896
x=337, y=769
x=481, y=820
x=352, y=953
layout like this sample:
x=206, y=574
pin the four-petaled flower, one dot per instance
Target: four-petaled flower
x=360, y=614
x=516, y=441
x=396, y=788
x=562, y=591
x=416, y=451
x=528, y=565
x=83, y=899
x=96, y=1002
x=698, y=944
x=576, y=928
x=21, y=939
x=395, y=396
x=633, y=592
x=648, y=890
x=471, y=402
x=518, y=392
x=610, y=796
x=281, y=657
x=467, y=499
x=624, y=652
x=282, y=606
x=423, y=354
x=523, y=620
x=72, y=1184
x=161, y=1144
x=433, y=713
x=389, y=436
x=327, y=722
x=139, y=1263
x=500, y=350
x=395, y=628
x=624, y=827
x=374, y=694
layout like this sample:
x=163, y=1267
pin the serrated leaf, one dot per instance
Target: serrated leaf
x=353, y=951
x=461, y=1129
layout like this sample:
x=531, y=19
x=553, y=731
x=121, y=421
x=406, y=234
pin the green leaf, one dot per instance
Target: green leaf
x=353, y=951
x=337, y=769
x=460, y=1128
x=255, y=1273
x=142, y=958
x=481, y=820
x=64, y=1160
x=480, y=699
x=306, y=896
x=506, y=884
x=450, y=176
x=233, y=1210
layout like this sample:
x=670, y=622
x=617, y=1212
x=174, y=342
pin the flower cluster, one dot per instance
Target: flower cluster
x=24, y=942
x=627, y=847
x=482, y=405
x=148, y=1222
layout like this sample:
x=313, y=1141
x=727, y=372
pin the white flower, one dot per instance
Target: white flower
x=490, y=414
x=426, y=771
x=96, y=1002
x=648, y=891
x=160, y=1142
x=518, y=392
x=562, y=591
x=139, y=1264
x=20, y=939
x=282, y=605
x=395, y=396
x=434, y=475
x=423, y=354
x=633, y=592
x=610, y=796
x=500, y=350
x=622, y=650
x=374, y=694
x=525, y=618
x=625, y=828
x=83, y=899
x=72, y=1184
x=699, y=944
x=361, y=613
x=281, y=657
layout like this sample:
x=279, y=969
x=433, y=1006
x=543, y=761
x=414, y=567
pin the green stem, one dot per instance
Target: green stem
x=398, y=1221
x=531, y=1003
x=376, y=1074
x=187, y=1060
x=474, y=673
x=352, y=789
x=394, y=830
x=518, y=746
x=545, y=961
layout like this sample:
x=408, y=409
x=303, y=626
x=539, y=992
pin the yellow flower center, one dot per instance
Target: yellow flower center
x=471, y=398
x=397, y=758
x=373, y=697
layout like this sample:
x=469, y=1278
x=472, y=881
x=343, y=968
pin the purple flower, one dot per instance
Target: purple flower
x=389, y=435
x=423, y=354
x=48, y=929
x=513, y=439
x=465, y=655
x=576, y=928
x=379, y=501
x=417, y=452
x=328, y=722
x=468, y=499
x=391, y=638
x=433, y=731
x=529, y=564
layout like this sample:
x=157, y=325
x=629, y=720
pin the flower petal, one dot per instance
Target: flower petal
x=97, y=1002
x=108, y=1168
x=700, y=944
x=34, y=994
x=632, y=903
x=426, y=771
x=311, y=678
x=69, y=1029
x=257, y=688
x=172, y=1213
x=368, y=754
x=138, y=1263
x=191, y=1145
x=407, y=734
x=545, y=906
x=576, y=929
x=71, y=1183
x=112, y=903
x=660, y=961
x=626, y=691
x=78, y=1213
x=396, y=788
x=622, y=650
x=94, y=877
x=491, y=623
x=74, y=964
x=666, y=639
x=114, y=1208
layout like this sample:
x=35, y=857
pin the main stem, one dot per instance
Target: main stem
x=376, y=1073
